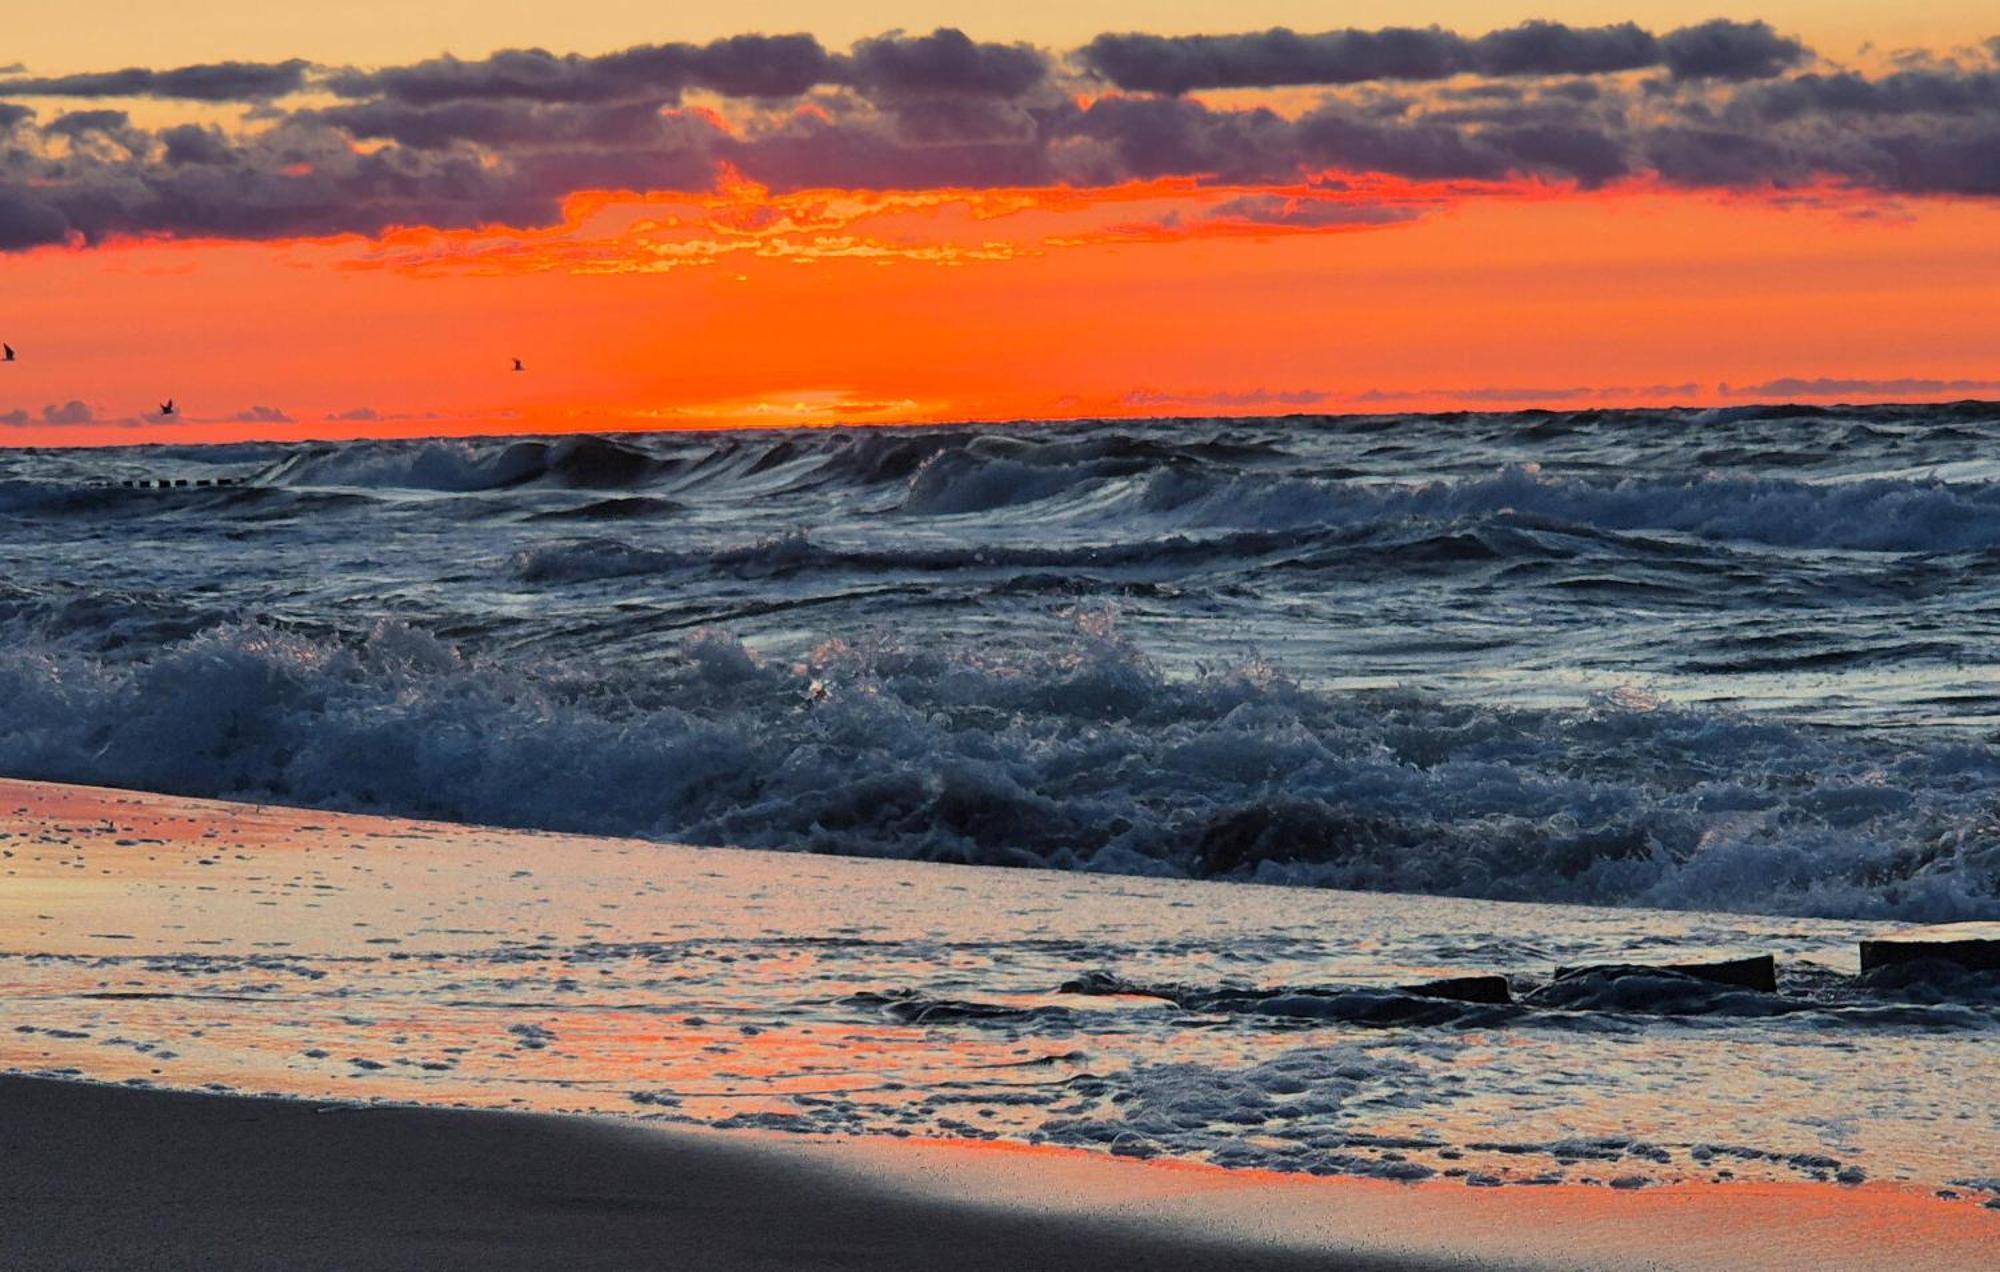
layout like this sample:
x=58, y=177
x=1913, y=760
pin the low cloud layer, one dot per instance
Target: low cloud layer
x=299, y=149
x=1825, y=387
x=1270, y=59
x=214, y=82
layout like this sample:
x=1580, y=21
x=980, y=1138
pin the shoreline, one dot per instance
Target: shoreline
x=162, y=945
x=145, y=801
x=93, y=1175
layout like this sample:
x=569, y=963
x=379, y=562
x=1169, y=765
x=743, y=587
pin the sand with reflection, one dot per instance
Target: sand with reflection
x=187, y=944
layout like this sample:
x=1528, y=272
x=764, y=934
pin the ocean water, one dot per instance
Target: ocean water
x=1736, y=660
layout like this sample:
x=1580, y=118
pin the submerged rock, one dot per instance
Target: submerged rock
x=1969, y=945
x=1758, y=971
x=1658, y=991
x=1465, y=989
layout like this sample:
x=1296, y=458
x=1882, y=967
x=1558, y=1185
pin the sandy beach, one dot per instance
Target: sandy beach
x=237, y=1035
x=99, y=1177
x=94, y=1176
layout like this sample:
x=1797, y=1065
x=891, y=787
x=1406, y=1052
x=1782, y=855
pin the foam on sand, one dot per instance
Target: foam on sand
x=185, y=944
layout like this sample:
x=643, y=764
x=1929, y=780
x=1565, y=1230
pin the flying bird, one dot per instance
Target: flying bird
x=518, y=366
x=8, y=354
x=167, y=407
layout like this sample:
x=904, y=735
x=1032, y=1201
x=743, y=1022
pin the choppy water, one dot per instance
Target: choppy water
x=1739, y=660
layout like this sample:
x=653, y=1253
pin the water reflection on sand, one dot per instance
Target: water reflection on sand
x=270, y=950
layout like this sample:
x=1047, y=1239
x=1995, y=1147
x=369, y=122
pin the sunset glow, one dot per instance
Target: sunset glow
x=1131, y=634
x=745, y=292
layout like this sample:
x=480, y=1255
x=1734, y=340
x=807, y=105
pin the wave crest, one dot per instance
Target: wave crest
x=1086, y=756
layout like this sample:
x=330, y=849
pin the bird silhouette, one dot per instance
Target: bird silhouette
x=167, y=407
x=518, y=366
x=6, y=353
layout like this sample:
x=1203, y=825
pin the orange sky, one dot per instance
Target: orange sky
x=824, y=307
x=1617, y=292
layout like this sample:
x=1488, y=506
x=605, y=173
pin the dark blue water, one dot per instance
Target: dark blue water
x=1741, y=659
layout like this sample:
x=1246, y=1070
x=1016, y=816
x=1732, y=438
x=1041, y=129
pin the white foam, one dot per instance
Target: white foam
x=1082, y=756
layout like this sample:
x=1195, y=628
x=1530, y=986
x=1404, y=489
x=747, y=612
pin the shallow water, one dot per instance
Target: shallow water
x=1714, y=660
x=271, y=950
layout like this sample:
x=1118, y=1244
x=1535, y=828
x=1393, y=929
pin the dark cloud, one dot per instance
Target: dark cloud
x=1945, y=91
x=1726, y=50
x=740, y=66
x=1717, y=157
x=1269, y=59
x=1927, y=129
x=79, y=123
x=1498, y=393
x=261, y=415
x=1926, y=163
x=1511, y=395
x=1589, y=156
x=885, y=152
x=1487, y=91
x=16, y=418
x=505, y=139
x=1126, y=138
x=945, y=63
x=70, y=412
x=534, y=75
x=214, y=82
x=27, y=220
x=195, y=144
x=958, y=120
x=298, y=178
x=1339, y=137
x=1793, y=386
x=1551, y=48
x=1577, y=90
x=1225, y=398
x=499, y=123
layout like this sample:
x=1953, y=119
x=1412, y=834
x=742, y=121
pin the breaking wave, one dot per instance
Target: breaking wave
x=1123, y=479
x=587, y=462
x=1085, y=756
x=499, y=630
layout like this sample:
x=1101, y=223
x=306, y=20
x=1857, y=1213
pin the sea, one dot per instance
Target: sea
x=1274, y=718
x=1739, y=659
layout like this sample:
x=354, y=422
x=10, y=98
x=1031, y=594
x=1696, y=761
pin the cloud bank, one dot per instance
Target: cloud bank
x=1275, y=58
x=292, y=148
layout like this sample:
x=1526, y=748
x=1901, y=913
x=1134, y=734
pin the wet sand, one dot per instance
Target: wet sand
x=96, y=1176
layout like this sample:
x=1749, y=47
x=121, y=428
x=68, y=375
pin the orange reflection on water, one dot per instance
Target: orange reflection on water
x=271, y=950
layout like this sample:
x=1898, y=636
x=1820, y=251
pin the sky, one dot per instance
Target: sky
x=350, y=221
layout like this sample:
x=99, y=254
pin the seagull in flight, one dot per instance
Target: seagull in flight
x=8, y=354
x=167, y=407
x=518, y=366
